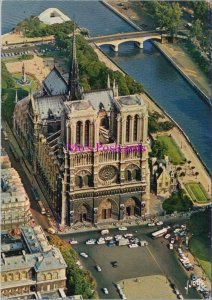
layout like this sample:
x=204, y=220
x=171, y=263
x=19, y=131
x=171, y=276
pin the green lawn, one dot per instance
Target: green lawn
x=197, y=192
x=174, y=153
x=200, y=248
x=8, y=95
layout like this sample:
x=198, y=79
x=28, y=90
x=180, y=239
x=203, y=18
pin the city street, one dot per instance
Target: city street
x=27, y=183
x=154, y=259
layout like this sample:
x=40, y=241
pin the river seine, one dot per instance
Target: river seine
x=146, y=65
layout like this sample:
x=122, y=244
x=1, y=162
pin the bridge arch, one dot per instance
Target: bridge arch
x=114, y=44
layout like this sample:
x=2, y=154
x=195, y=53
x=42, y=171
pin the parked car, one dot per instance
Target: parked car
x=100, y=241
x=73, y=242
x=128, y=235
x=167, y=236
x=151, y=224
x=172, y=240
x=83, y=254
x=111, y=243
x=171, y=247
x=122, y=228
x=104, y=231
x=133, y=246
x=159, y=223
x=105, y=290
x=98, y=268
x=108, y=238
x=90, y=242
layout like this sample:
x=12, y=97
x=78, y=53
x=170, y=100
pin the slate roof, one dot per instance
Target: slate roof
x=44, y=104
x=96, y=97
x=54, y=83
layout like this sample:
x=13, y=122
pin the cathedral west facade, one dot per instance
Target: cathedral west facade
x=77, y=141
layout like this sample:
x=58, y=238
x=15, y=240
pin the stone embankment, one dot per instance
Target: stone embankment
x=187, y=74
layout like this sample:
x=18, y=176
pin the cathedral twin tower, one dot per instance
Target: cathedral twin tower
x=100, y=185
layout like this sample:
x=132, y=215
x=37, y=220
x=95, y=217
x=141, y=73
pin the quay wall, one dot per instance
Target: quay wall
x=206, y=98
x=121, y=15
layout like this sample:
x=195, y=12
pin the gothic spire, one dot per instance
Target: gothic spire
x=74, y=90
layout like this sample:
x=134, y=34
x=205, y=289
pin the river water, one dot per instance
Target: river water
x=146, y=65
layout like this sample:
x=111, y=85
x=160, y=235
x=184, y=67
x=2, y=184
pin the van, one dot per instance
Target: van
x=123, y=242
x=104, y=231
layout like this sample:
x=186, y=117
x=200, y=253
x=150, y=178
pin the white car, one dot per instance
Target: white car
x=98, y=268
x=128, y=235
x=172, y=240
x=151, y=224
x=83, y=254
x=133, y=246
x=167, y=236
x=171, y=247
x=105, y=291
x=73, y=242
x=159, y=223
x=100, y=242
x=122, y=228
x=108, y=238
x=90, y=242
x=118, y=237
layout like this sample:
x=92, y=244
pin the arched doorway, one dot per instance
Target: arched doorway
x=82, y=214
x=108, y=209
x=130, y=208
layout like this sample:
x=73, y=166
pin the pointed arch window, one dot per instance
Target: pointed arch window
x=128, y=129
x=79, y=133
x=87, y=133
x=135, y=129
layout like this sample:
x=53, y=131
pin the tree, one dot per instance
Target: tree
x=168, y=15
x=200, y=222
x=159, y=149
x=196, y=29
x=201, y=10
x=61, y=40
x=196, y=174
x=182, y=174
x=179, y=202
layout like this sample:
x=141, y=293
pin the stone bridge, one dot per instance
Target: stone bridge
x=114, y=40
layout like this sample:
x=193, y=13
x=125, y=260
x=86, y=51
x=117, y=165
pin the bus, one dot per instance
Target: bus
x=41, y=207
x=159, y=233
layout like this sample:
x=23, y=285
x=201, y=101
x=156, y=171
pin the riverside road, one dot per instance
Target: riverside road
x=154, y=259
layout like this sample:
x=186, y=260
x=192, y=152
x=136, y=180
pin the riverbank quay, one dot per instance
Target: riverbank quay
x=187, y=68
x=106, y=59
x=12, y=38
x=122, y=16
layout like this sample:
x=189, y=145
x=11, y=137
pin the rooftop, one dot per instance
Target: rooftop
x=53, y=16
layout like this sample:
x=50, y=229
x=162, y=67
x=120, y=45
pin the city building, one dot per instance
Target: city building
x=164, y=179
x=30, y=266
x=53, y=16
x=77, y=141
x=15, y=205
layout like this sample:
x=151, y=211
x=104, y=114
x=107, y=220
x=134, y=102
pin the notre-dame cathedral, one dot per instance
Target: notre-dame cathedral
x=86, y=186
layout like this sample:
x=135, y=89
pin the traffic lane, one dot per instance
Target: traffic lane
x=132, y=263
x=40, y=219
x=171, y=266
x=137, y=230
